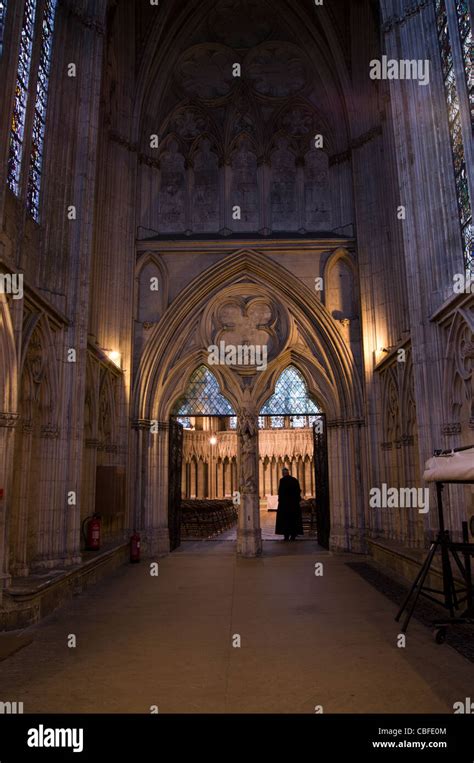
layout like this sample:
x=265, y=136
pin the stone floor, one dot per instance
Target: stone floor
x=305, y=641
x=267, y=524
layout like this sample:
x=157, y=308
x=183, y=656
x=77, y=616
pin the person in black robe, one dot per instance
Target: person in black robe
x=289, y=521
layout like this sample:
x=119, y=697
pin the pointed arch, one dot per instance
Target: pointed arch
x=177, y=345
x=391, y=406
x=39, y=371
x=290, y=395
x=163, y=49
x=9, y=364
x=157, y=267
x=458, y=382
x=107, y=410
x=91, y=401
x=197, y=145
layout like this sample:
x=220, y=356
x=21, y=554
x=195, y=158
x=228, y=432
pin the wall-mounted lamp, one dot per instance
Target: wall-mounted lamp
x=115, y=357
x=380, y=353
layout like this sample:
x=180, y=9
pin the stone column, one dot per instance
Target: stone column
x=7, y=423
x=153, y=513
x=249, y=535
x=234, y=474
x=225, y=477
x=347, y=489
x=184, y=470
x=89, y=473
x=201, y=491
x=50, y=506
x=193, y=479
x=307, y=477
x=220, y=479
x=20, y=502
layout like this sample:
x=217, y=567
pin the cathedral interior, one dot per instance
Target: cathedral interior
x=227, y=248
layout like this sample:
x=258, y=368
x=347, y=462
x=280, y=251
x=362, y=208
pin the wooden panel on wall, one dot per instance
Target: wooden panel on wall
x=110, y=490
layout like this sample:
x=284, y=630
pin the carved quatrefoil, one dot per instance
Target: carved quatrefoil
x=247, y=321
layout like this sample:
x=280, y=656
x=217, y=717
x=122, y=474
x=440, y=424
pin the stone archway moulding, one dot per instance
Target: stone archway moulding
x=313, y=343
x=8, y=420
x=307, y=337
x=159, y=59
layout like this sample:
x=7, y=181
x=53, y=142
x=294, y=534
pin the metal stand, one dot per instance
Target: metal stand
x=453, y=596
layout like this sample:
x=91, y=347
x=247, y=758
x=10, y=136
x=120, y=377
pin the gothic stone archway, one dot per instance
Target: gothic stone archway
x=248, y=299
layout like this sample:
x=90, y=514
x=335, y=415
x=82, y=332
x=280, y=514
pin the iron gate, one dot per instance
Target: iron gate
x=175, y=459
x=321, y=475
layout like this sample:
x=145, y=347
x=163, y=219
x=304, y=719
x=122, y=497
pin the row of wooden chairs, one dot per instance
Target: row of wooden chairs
x=206, y=518
x=308, y=511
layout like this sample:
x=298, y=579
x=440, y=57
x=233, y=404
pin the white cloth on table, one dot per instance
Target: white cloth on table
x=454, y=466
x=272, y=502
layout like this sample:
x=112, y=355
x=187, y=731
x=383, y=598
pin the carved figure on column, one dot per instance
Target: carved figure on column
x=248, y=432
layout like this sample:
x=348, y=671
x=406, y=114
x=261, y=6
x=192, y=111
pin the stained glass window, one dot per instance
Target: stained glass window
x=3, y=13
x=465, y=35
x=288, y=422
x=277, y=422
x=455, y=129
x=298, y=422
x=203, y=397
x=185, y=421
x=290, y=396
x=17, y=133
x=39, y=119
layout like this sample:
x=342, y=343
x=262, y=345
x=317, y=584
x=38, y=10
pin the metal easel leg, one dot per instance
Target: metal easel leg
x=415, y=590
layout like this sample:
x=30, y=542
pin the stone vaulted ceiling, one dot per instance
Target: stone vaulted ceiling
x=288, y=91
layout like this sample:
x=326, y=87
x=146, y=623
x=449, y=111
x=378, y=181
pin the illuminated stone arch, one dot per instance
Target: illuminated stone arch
x=309, y=339
x=8, y=422
x=8, y=370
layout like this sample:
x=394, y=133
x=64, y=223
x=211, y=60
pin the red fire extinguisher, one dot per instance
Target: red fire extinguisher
x=92, y=536
x=135, y=547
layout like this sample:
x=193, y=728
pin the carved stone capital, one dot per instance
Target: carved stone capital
x=451, y=428
x=411, y=9
x=107, y=446
x=340, y=158
x=149, y=161
x=468, y=351
x=344, y=423
x=143, y=424
x=49, y=432
x=88, y=21
x=8, y=420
